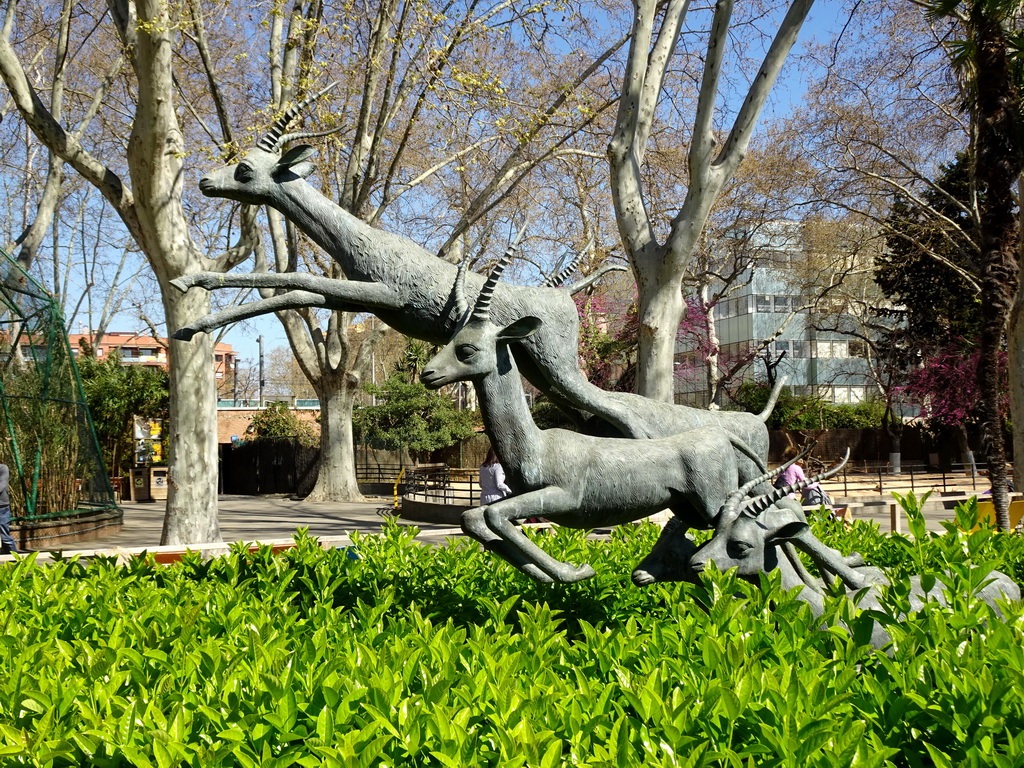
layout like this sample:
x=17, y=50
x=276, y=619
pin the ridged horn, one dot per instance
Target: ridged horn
x=460, y=306
x=482, y=309
x=758, y=505
x=732, y=507
x=271, y=141
x=557, y=279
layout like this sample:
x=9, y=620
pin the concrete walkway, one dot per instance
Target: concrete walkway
x=275, y=520
x=264, y=519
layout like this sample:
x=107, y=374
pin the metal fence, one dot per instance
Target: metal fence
x=378, y=473
x=868, y=478
x=441, y=484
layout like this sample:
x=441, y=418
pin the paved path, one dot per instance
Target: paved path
x=258, y=518
x=276, y=519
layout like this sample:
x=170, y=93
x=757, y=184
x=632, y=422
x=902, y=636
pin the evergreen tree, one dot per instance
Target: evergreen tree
x=919, y=270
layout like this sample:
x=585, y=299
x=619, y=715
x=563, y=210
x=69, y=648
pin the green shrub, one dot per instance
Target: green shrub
x=277, y=420
x=808, y=411
x=397, y=654
x=408, y=416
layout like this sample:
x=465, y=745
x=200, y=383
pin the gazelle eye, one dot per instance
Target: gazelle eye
x=243, y=172
x=465, y=352
x=739, y=548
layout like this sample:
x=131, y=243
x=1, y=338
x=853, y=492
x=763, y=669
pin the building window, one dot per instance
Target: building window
x=782, y=304
x=832, y=349
x=858, y=348
x=762, y=304
x=781, y=347
x=799, y=350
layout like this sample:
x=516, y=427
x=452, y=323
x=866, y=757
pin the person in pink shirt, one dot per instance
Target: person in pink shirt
x=813, y=494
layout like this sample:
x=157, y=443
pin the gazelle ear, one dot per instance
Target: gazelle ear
x=520, y=329
x=790, y=531
x=295, y=155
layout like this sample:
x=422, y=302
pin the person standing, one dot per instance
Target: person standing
x=492, y=480
x=7, y=544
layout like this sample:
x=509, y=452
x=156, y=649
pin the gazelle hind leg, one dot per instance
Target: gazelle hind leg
x=546, y=502
x=474, y=526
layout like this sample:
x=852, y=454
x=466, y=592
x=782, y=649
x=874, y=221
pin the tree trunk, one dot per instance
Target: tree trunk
x=966, y=454
x=894, y=428
x=336, y=475
x=192, y=478
x=997, y=168
x=661, y=311
x=1015, y=352
x=711, y=373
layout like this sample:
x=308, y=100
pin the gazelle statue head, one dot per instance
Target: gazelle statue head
x=257, y=177
x=477, y=347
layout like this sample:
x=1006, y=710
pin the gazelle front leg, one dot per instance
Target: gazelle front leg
x=289, y=300
x=516, y=546
x=361, y=294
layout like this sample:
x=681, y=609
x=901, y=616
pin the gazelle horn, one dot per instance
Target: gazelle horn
x=761, y=503
x=731, y=508
x=460, y=305
x=271, y=141
x=482, y=309
x=557, y=279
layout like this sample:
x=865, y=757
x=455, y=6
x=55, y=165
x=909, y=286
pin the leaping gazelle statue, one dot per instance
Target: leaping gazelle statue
x=575, y=480
x=410, y=289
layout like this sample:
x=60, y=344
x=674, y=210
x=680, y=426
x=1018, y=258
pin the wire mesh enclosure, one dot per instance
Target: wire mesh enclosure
x=46, y=436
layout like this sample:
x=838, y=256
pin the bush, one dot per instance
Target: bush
x=277, y=420
x=808, y=411
x=408, y=416
x=412, y=655
x=116, y=393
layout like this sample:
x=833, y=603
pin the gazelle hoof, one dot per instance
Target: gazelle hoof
x=184, y=334
x=642, y=578
x=576, y=573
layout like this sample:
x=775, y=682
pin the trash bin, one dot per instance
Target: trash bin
x=140, y=485
x=158, y=483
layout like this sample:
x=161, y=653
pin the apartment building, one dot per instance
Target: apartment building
x=783, y=286
x=135, y=349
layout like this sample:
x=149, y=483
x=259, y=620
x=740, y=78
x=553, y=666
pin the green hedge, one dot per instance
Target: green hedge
x=416, y=656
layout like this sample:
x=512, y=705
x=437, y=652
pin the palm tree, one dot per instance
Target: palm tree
x=987, y=61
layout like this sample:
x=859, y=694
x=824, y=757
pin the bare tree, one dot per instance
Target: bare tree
x=884, y=120
x=660, y=266
x=144, y=186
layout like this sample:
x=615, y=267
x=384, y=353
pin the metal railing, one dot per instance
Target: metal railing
x=443, y=485
x=876, y=478
x=377, y=473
